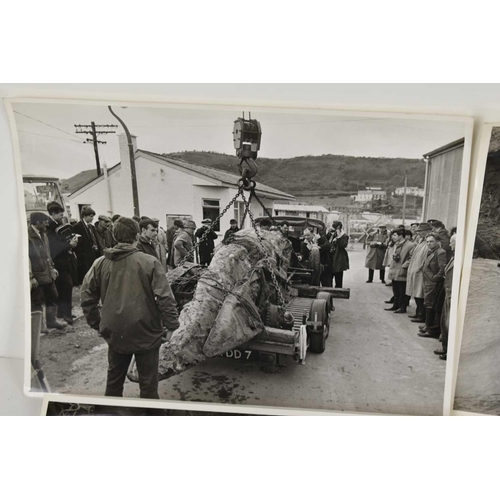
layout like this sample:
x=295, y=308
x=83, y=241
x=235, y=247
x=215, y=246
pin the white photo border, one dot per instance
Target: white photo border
x=287, y=108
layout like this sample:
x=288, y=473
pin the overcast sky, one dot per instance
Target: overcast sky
x=50, y=146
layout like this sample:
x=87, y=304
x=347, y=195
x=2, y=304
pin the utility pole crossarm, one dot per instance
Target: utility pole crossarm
x=94, y=133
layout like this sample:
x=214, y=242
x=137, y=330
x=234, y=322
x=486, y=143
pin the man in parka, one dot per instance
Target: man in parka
x=138, y=309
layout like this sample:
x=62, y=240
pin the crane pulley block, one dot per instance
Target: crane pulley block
x=246, y=137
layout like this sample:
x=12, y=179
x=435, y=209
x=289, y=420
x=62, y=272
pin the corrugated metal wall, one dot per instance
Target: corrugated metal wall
x=443, y=187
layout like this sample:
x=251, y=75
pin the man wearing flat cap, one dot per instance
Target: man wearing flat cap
x=43, y=273
x=444, y=236
x=104, y=234
x=415, y=280
x=206, y=246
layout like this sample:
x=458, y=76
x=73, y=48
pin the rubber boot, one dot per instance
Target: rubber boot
x=44, y=328
x=52, y=319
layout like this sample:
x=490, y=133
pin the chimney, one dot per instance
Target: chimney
x=126, y=174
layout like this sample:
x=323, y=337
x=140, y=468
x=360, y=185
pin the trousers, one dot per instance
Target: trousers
x=64, y=285
x=147, y=367
x=371, y=273
x=339, y=279
x=43, y=295
x=327, y=276
x=400, y=297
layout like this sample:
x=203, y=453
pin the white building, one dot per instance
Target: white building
x=169, y=188
x=410, y=191
x=371, y=194
x=309, y=211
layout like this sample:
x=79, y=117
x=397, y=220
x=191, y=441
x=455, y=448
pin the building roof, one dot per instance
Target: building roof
x=444, y=149
x=230, y=180
x=214, y=173
x=300, y=208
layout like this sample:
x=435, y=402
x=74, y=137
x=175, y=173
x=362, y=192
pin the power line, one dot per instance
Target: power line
x=47, y=124
x=52, y=136
x=92, y=130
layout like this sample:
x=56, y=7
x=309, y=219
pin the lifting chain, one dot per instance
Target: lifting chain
x=281, y=299
x=242, y=186
x=209, y=229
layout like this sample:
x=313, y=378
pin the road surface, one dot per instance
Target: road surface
x=478, y=380
x=374, y=362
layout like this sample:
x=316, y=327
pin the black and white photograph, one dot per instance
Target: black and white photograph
x=478, y=378
x=270, y=257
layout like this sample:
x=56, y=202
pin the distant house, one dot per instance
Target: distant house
x=443, y=174
x=410, y=191
x=309, y=211
x=169, y=188
x=371, y=194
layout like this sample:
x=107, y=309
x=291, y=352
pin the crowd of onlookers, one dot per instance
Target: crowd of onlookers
x=419, y=263
x=59, y=262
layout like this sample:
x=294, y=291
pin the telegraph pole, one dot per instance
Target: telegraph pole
x=404, y=197
x=80, y=129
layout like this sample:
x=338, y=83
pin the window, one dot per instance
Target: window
x=172, y=217
x=211, y=210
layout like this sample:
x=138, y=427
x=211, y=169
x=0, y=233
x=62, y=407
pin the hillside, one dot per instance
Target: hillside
x=77, y=181
x=487, y=243
x=326, y=173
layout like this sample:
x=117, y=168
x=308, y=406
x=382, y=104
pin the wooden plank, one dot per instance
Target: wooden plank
x=312, y=291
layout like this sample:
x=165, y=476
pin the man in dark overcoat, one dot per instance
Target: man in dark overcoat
x=206, y=247
x=61, y=252
x=340, y=258
x=88, y=248
x=433, y=273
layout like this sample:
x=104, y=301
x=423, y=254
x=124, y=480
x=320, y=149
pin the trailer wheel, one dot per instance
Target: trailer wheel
x=315, y=263
x=329, y=306
x=329, y=300
x=318, y=325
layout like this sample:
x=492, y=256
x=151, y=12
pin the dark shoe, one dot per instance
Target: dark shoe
x=391, y=309
x=400, y=311
x=429, y=335
x=369, y=281
x=439, y=352
x=443, y=357
x=423, y=328
x=52, y=322
x=391, y=301
x=68, y=320
x=418, y=320
x=382, y=281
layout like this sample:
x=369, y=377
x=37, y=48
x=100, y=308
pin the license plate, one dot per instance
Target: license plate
x=239, y=354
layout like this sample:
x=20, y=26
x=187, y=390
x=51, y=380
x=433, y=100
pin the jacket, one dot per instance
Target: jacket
x=340, y=257
x=183, y=244
x=137, y=301
x=448, y=284
x=88, y=248
x=60, y=249
x=398, y=267
x=415, y=280
x=376, y=251
x=146, y=246
x=445, y=241
x=433, y=271
x=228, y=233
x=105, y=237
x=39, y=254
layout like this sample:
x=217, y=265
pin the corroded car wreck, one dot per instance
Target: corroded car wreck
x=225, y=305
